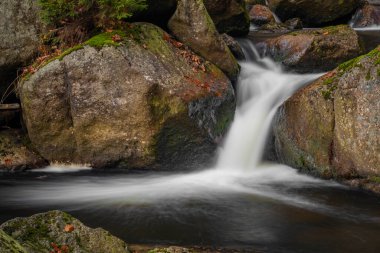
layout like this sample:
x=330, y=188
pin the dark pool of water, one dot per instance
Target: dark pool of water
x=336, y=219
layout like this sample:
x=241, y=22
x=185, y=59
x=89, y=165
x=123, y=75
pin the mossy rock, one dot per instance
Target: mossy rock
x=116, y=102
x=44, y=232
x=10, y=245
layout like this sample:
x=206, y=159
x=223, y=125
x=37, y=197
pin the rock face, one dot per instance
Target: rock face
x=192, y=25
x=14, y=154
x=229, y=16
x=19, y=33
x=261, y=15
x=314, y=12
x=314, y=50
x=144, y=101
x=368, y=15
x=332, y=126
x=47, y=232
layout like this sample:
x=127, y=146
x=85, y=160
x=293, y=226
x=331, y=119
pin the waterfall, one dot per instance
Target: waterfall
x=263, y=86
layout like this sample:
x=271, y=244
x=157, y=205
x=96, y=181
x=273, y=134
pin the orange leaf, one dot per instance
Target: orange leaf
x=116, y=38
x=69, y=228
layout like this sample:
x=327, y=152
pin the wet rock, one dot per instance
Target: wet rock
x=48, y=232
x=261, y=15
x=314, y=50
x=368, y=15
x=229, y=16
x=147, y=100
x=294, y=23
x=234, y=46
x=331, y=127
x=315, y=13
x=202, y=36
x=14, y=153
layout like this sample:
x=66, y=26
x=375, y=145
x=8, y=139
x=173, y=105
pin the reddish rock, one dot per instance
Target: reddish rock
x=260, y=15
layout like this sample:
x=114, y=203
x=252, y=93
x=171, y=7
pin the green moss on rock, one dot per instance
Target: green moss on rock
x=10, y=245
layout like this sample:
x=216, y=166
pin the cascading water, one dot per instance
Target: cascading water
x=263, y=86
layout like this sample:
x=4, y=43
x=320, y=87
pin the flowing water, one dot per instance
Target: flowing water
x=241, y=203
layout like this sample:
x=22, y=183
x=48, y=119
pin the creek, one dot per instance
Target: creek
x=242, y=202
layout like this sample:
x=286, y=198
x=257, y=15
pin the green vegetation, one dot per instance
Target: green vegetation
x=375, y=179
x=100, y=12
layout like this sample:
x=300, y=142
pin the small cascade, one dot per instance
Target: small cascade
x=263, y=86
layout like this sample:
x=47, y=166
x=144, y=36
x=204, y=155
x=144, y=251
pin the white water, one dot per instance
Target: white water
x=262, y=87
x=369, y=28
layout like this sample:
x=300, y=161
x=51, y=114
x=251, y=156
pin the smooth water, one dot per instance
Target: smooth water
x=241, y=203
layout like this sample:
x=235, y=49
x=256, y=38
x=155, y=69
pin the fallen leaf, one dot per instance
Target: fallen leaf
x=116, y=38
x=69, y=228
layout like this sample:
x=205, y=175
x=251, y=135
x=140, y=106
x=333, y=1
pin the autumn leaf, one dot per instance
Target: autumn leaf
x=69, y=228
x=116, y=38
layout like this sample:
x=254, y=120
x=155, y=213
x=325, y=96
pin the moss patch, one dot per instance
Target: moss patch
x=375, y=179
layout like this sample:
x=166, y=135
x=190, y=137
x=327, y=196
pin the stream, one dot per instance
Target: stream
x=241, y=203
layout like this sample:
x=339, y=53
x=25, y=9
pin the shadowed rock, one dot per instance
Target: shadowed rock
x=315, y=12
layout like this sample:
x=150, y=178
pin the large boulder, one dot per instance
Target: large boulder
x=332, y=126
x=192, y=25
x=15, y=154
x=314, y=50
x=56, y=231
x=229, y=16
x=368, y=15
x=19, y=35
x=315, y=12
x=128, y=100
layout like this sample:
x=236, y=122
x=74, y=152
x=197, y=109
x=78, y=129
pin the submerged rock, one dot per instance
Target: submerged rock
x=202, y=36
x=14, y=153
x=314, y=50
x=146, y=100
x=368, y=15
x=229, y=16
x=332, y=127
x=56, y=230
x=261, y=15
x=315, y=12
